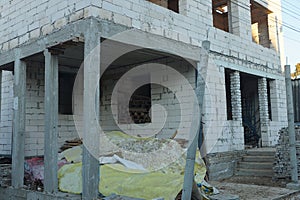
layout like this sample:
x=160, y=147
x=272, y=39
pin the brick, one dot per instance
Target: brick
x=77, y=15
x=34, y=34
x=60, y=23
x=47, y=29
x=120, y=19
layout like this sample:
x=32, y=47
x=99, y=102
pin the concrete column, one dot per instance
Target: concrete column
x=194, y=143
x=236, y=97
x=291, y=129
x=51, y=121
x=0, y=92
x=240, y=18
x=263, y=110
x=19, y=114
x=91, y=78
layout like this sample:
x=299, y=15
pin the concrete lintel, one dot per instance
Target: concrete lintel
x=19, y=115
x=91, y=98
x=51, y=122
x=67, y=33
x=248, y=70
x=107, y=30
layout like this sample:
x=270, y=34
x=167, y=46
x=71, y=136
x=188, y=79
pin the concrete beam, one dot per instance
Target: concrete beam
x=69, y=32
x=107, y=30
x=51, y=122
x=91, y=134
x=247, y=70
x=19, y=110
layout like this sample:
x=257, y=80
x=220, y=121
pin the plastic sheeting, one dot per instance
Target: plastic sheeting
x=165, y=182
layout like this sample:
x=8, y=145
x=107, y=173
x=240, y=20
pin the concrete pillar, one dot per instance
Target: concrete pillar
x=0, y=92
x=91, y=77
x=236, y=97
x=263, y=110
x=240, y=18
x=51, y=122
x=194, y=143
x=19, y=115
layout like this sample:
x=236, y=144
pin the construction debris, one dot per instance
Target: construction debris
x=5, y=171
x=71, y=143
x=282, y=168
x=134, y=176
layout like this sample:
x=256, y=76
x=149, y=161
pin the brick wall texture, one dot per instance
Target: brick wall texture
x=25, y=21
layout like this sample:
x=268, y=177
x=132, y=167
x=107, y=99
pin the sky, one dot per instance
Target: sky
x=291, y=37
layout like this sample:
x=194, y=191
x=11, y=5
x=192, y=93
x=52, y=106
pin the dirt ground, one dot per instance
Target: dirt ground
x=256, y=188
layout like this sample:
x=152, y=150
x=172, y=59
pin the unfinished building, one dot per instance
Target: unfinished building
x=44, y=43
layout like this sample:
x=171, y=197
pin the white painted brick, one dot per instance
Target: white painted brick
x=60, y=23
x=47, y=29
x=34, y=34
x=28, y=20
x=112, y=7
x=120, y=19
x=76, y=15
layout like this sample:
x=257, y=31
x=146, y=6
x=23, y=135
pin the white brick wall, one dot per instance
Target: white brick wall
x=6, y=113
x=23, y=21
x=159, y=95
x=34, y=138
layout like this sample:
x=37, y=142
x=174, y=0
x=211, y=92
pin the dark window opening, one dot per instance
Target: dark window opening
x=220, y=14
x=140, y=104
x=170, y=4
x=66, y=82
x=260, y=24
x=269, y=99
x=139, y=107
x=173, y=5
x=228, y=94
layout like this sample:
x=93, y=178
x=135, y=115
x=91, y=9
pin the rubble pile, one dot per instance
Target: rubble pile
x=282, y=166
x=70, y=143
x=5, y=172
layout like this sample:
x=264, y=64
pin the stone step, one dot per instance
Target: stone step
x=254, y=172
x=256, y=165
x=258, y=158
x=261, y=153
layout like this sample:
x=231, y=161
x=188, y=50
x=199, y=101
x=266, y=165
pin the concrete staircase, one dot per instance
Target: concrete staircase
x=257, y=162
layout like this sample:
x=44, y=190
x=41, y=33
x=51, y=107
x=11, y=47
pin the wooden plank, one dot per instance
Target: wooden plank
x=90, y=167
x=19, y=111
x=51, y=122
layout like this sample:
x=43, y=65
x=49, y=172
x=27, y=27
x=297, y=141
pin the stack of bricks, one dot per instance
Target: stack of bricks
x=282, y=166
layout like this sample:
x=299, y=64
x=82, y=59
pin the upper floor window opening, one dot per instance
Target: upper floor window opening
x=220, y=12
x=170, y=4
x=260, y=24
